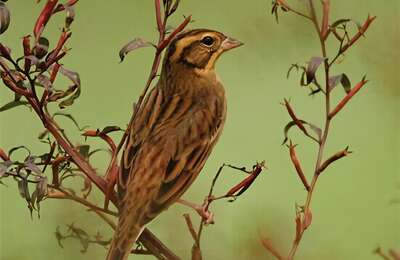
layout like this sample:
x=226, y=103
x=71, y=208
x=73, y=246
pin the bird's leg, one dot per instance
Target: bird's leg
x=201, y=209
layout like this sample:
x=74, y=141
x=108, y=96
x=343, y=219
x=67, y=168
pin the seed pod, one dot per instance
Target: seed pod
x=4, y=17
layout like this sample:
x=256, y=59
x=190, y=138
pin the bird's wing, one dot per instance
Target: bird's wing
x=166, y=158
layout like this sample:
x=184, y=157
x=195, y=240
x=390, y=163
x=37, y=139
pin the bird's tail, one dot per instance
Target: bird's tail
x=122, y=243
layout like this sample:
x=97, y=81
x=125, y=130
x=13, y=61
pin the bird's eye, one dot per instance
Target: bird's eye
x=208, y=41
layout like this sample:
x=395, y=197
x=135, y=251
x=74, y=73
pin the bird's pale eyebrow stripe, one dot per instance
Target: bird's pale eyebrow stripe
x=181, y=44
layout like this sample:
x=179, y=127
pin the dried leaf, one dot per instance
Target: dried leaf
x=59, y=94
x=342, y=79
x=334, y=80
x=29, y=163
x=69, y=101
x=41, y=188
x=313, y=127
x=74, y=77
x=70, y=15
x=4, y=167
x=44, y=81
x=131, y=46
x=312, y=67
x=70, y=117
x=23, y=189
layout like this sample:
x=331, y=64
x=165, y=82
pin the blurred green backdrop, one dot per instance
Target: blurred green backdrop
x=352, y=212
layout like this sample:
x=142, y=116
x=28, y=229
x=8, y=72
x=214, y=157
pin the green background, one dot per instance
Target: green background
x=352, y=209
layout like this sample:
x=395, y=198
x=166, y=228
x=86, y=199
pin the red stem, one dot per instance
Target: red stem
x=360, y=33
x=44, y=17
x=297, y=165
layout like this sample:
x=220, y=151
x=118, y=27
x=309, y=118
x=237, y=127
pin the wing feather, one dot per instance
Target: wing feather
x=168, y=146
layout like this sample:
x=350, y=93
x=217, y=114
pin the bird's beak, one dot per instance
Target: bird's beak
x=230, y=43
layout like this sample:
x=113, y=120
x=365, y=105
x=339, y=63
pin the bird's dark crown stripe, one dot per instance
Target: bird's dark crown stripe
x=183, y=41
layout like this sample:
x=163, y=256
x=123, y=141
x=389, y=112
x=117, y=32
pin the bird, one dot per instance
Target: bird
x=172, y=134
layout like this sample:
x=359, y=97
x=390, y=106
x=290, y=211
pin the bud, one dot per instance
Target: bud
x=4, y=17
x=41, y=48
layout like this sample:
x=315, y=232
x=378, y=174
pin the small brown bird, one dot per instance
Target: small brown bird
x=173, y=134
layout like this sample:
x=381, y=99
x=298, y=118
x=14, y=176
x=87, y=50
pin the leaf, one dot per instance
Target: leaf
x=70, y=100
x=59, y=237
x=45, y=82
x=297, y=67
x=43, y=134
x=131, y=46
x=17, y=97
x=74, y=77
x=12, y=150
x=4, y=167
x=316, y=130
x=70, y=117
x=334, y=80
x=41, y=188
x=70, y=15
x=109, y=129
x=29, y=163
x=84, y=150
x=71, y=75
x=23, y=189
x=174, y=7
x=312, y=67
x=344, y=81
x=339, y=22
x=313, y=127
x=59, y=94
x=13, y=104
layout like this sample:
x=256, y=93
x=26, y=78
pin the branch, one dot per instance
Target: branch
x=303, y=217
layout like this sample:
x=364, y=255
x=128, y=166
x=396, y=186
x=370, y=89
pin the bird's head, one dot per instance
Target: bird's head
x=199, y=48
